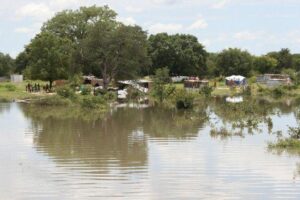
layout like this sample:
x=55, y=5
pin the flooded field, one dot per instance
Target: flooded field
x=216, y=151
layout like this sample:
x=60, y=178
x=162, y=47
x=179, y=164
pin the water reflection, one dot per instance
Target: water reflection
x=150, y=153
x=120, y=136
x=4, y=107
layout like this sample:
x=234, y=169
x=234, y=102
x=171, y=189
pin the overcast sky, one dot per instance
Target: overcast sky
x=259, y=26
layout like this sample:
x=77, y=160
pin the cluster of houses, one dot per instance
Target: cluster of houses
x=190, y=83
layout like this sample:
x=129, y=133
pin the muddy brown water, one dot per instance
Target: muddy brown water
x=146, y=153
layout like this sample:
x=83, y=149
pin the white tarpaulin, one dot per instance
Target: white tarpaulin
x=235, y=78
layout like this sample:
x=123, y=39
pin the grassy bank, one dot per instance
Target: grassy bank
x=17, y=91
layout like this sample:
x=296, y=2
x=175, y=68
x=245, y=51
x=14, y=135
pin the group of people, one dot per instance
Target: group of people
x=36, y=88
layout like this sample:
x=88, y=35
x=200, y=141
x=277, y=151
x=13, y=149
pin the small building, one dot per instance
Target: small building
x=16, y=78
x=92, y=80
x=235, y=80
x=273, y=80
x=195, y=83
x=3, y=79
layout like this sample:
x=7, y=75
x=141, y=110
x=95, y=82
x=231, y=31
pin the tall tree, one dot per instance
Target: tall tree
x=234, y=61
x=6, y=64
x=48, y=57
x=118, y=51
x=182, y=54
x=284, y=58
x=265, y=64
x=74, y=24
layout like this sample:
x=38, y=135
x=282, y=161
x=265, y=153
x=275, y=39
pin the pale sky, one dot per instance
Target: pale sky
x=258, y=26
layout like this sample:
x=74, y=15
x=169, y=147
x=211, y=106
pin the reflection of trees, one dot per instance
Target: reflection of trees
x=4, y=107
x=169, y=123
x=95, y=142
x=66, y=134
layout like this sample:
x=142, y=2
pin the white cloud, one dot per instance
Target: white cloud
x=247, y=35
x=169, y=28
x=32, y=30
x=198, y=24
x=38, y=11
x=220, y=4
x=133, y=9
x=127, y=20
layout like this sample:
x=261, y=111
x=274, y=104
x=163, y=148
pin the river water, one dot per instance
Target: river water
x=148, y=153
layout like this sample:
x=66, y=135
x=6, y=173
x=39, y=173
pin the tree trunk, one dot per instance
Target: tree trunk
x=51, y=83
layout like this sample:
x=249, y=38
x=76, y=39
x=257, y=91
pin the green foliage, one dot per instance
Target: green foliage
x=7, y=64
x=49, y=57
x=86, y=90
x=116, y=50
x=161, y=88
x=65, y=91
x=234, y=61
x=247, y=91
x=265, y=64
x=110, y=96
x=278, y=92
x=134, y=94
x=10, y=87
x=183, y=54
x=206, y=91
x=184, y=99
x=93, y=102
x=294, y=133
x=53, y=100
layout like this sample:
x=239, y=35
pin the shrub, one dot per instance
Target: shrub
x=10, y=87
x=54, y=100
x=184, y=100
x=110, y=96
x=92, y=102
x=294, y=133
x=86, y=90
x=65, y=91
x=247, y=91
x=206, y=91
x=278, y=92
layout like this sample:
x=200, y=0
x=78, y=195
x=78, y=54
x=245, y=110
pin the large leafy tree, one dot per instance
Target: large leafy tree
x=74, y=24
x=182, y=54
x=6, y=64
x=48, y=57
x=265, y=64
x=118, y=51
x=234, y=61
x=284, y=58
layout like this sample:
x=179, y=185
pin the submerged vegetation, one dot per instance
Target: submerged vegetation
x=290, y=144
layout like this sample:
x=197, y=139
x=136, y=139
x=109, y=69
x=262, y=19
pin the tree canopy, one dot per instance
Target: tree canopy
x=6, y=64
x=118, y=51
x=48, y=57
x=182, y=54
x=234, y=61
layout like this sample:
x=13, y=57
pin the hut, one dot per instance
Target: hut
x=273, y=80
x=234, y=80
x=16, y=78
x=92, y=80
x=195, y=83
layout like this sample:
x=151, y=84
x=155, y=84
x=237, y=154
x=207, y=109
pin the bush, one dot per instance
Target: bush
x=278, y=92
x=184, y=100
x=206, y=91
x=54, y=100
x=294, y=133
x=65, y=92
x=247, y=91
x=92, y=102
x=86, y=90
x=110, y=96
x=10, y=87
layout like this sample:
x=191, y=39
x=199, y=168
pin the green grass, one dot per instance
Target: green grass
x=17, y=92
